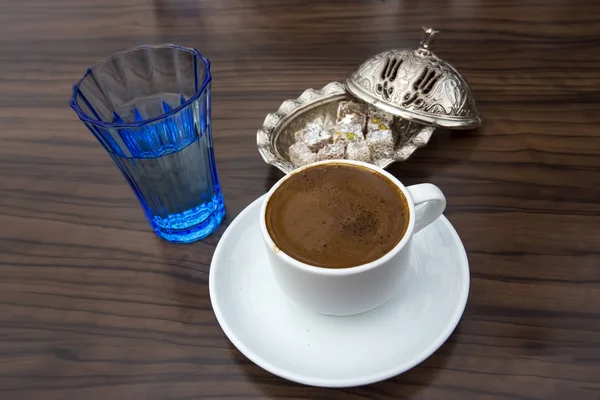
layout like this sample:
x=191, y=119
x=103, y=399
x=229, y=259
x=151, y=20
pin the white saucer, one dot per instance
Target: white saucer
x=321, y=350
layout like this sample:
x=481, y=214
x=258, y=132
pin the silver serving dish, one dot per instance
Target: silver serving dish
x=422, y=92
x=277, y=132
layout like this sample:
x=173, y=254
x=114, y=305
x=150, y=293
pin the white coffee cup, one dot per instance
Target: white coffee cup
x=347, y=291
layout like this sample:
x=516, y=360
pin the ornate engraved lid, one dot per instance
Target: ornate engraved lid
x=416, y=85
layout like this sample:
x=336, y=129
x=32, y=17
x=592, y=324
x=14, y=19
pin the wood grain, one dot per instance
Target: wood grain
x=94, y=306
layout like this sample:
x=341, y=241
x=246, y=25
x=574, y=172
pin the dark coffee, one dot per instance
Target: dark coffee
x=337, y=216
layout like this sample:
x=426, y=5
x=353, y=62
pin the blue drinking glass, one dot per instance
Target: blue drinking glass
x=150, y=109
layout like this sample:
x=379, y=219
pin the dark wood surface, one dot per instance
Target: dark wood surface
x=94, y=306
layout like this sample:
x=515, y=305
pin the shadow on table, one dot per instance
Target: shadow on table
x=408, y=385
x=445, y=149
x=272, y=178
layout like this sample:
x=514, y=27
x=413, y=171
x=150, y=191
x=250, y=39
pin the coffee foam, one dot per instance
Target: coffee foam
x=337, y=216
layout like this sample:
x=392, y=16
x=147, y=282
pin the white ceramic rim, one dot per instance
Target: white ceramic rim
x=339, y=271
x=335, y=383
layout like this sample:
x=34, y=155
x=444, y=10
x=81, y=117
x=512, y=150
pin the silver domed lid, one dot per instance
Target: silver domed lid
x=416, y=85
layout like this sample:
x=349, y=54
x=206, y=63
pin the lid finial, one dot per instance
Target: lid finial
x=427, y=40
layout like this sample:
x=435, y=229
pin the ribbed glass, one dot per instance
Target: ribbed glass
x=150, y=109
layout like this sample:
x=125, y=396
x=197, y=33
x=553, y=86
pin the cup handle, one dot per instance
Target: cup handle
x=429, y=202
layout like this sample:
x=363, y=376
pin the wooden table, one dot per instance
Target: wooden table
x=94, y=306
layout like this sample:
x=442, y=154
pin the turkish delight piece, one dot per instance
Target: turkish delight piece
x=315, y=136
x=379, y=120
x=381, y=143
x=345, y=133
x=350, y=112
x=332, y=151
x=301, y=155
x=358, y=151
